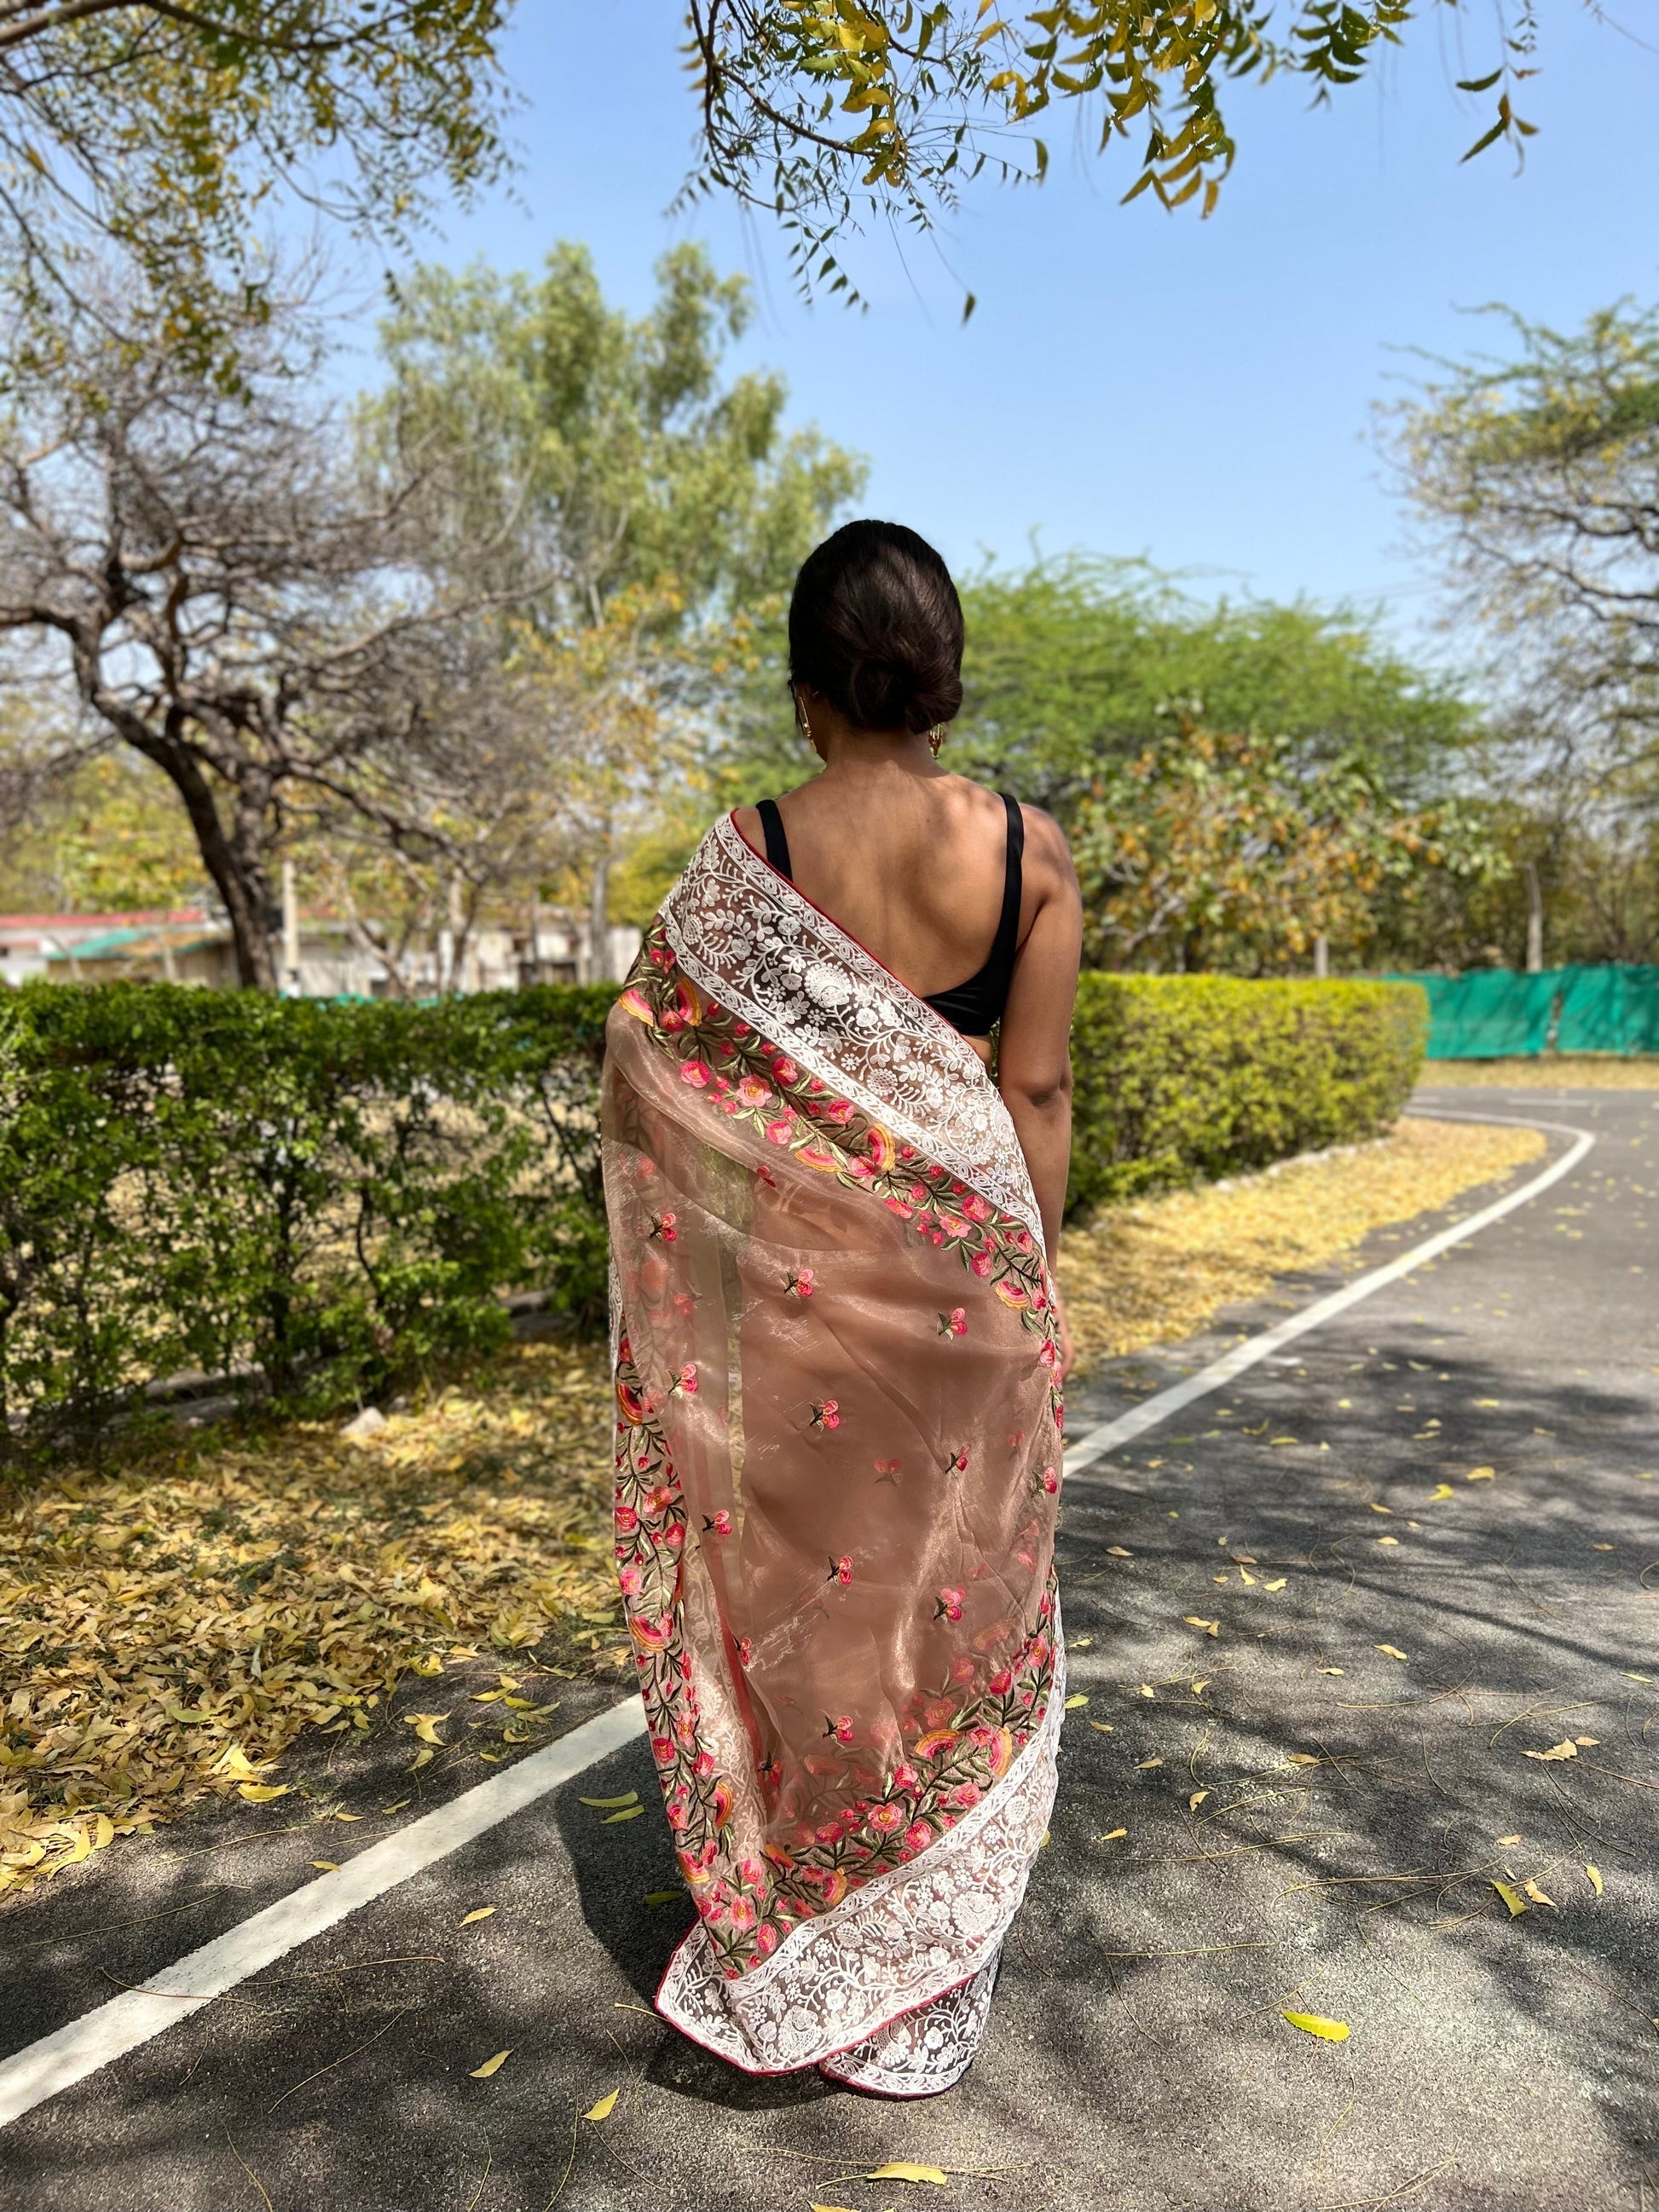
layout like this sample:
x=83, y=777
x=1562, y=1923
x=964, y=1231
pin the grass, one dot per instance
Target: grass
x=1594, y=1071
x=171, y=1625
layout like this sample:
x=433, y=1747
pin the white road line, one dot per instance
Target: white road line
x=55, y=2063
x=44, y=2070
x=1150, y=1411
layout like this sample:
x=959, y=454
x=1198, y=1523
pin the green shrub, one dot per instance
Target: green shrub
x=318, y=1196
x=1183, y=1078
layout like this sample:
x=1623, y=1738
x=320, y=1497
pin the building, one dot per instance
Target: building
x=319, y=956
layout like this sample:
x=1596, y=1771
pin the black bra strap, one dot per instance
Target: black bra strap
x=777, y=845
x=1013, y=885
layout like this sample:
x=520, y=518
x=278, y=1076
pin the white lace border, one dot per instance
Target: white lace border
x=708, y=2009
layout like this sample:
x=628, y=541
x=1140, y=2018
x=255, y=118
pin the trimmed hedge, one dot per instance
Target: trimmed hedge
x=1180, y=1078
x=315, y=1197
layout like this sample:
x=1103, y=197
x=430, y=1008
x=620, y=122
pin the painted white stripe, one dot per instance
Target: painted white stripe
x=57, y=2061
x=1150, y=1411
x=44, y=2070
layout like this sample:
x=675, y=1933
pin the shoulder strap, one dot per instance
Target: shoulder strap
x=1013, y=885
x=777, y=844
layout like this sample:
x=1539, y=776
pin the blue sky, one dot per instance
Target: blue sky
x=1133, y=382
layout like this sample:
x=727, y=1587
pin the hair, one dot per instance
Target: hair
x=875, y=625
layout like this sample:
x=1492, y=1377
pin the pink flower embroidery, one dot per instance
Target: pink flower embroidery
x=905, y=1776
x=886, y=1470
x=885, y=1819
x=663, y=1226
x=766, y=1939
x=687, y=1379
x=800, y=1284
x=967, y=1793
x=954, y=1323
x=745, y=1652
x=781, y=1131
x=958, y=1462
x=1048, y=1358
x=718, y=1524
x=629, y=1581
x=696, y=1072
x=753, y=1092
x=662, y=1750
x=627, y=1519
x=961, y=1667
x=703, y=1765
x=784, y=1070
x=953, y=1226
x=981, y=1263
x=840, y=1111
x=1049, y=1480
x=840, y=1571
x=826, y=1414
x=918, y=1836
x=948, y=1605
x=999, y=1685
x=840, y=1728
x=898, y=1205
x=976, y=1207
x=741, y=1912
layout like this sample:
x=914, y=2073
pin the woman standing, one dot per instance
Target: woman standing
x=839, y=1356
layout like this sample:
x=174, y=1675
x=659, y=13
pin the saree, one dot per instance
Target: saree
x=837, y=1453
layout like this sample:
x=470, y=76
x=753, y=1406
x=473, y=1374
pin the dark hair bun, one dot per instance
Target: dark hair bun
x=875, y=625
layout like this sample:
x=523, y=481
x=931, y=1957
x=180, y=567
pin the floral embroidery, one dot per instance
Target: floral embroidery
x=953, y=1747
x=826, y=1415
x=954, y=1323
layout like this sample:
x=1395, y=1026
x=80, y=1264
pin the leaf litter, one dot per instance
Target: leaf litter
x=169, y=1627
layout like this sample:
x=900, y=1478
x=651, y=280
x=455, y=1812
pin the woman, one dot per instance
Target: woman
x=839, y=1356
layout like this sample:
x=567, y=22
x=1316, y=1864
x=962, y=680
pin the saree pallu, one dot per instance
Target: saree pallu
x=838, y=1447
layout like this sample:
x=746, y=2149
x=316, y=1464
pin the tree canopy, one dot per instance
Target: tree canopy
x=166, y=129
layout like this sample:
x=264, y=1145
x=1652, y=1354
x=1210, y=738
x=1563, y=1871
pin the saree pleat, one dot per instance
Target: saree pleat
x=838, y=1470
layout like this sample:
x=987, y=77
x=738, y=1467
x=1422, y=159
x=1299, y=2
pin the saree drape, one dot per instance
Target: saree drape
x=838, y=1446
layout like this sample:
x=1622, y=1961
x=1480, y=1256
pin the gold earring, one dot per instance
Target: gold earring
x=800, y=717
x=936, y=738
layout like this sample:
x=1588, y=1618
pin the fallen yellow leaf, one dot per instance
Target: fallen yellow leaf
x=346, y=1816
x=327, y=1866
x=1512, y=1898
x=422, y=1759
x=1565, y=1749
x=491, y=2066
x=1081, y=1698
x=628, y=1812
x=479, y=1913
x=1488, y=1405
x=1441, y=1490
x=1586, y=1741
x=1197, y=1621
x=1387, y=1540
x=261, y=1793
x=1304, y=1759
x=1313, y=2023
x=1146, y=1690
x=1538, y=1896
x=1390, y=1651
x=1595, y=1873
x=1331, y=1670
x=1247, y=1577
x=1104, y=1727
x=631, y=1798
x=1196, y=1800
x=662, y=1896
x=1507, y=1839
x=1376, y=1507
x=906, y=2169
x=605, y=2106
x=1278, y=1586
x=1147, y=1762
x=425, y=1725
x=1117, y=1551
x=1481, y=1475
x=1112, y=1835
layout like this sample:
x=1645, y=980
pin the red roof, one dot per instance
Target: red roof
x=149, y=915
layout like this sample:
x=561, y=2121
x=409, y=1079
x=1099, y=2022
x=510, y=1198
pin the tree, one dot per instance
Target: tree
x=1225, y=853
x=827, y=112
x=160, y=129
x=1538, y=477
x=667, y=503
x=204, y=576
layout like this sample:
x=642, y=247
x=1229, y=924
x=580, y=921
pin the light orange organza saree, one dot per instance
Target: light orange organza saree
x=837, y=1468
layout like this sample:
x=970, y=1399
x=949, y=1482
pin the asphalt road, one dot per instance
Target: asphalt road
x=1317, y=1828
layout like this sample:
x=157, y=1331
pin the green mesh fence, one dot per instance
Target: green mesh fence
x=1578, y=1009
